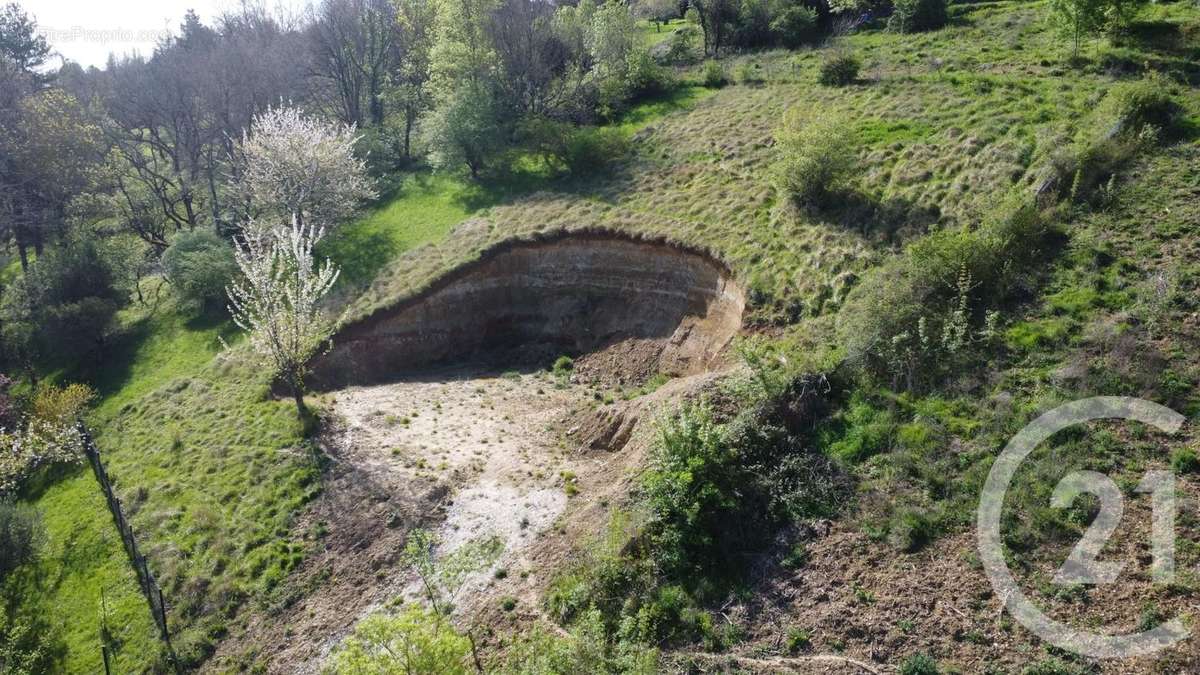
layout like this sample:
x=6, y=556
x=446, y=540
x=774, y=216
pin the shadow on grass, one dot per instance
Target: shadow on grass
x=887, y=221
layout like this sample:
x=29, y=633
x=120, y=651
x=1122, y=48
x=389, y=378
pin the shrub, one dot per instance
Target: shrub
x=714, y=75
x=681, y=48
x=574, y=150
x=64, y=306
x=590, y=149
x=914, y=320
x=644, y=77
x=718, y=492
x=818, y=154
x=414, y=641
x=749, y=72
x=21, y=536
x=1130, y=106
x=798, y=640
x=839, y=67
x=911, y=530
x=587, y=648
x=692, y=491
x=912, y=16
x=919, y=664
x=563, y=364
x=1184, y=460
x=795, y=25
x=465, y=129
x=46, y=436
x=199, y=265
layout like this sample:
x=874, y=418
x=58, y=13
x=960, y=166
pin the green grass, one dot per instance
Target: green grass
x=214, y=469
x=210, y=467
x=683, y=97
x=649, y=34
x=423, y=208
x=83, y=561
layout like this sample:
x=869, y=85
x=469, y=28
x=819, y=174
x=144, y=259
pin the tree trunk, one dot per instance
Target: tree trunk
x=298, y=397
x=408, y=127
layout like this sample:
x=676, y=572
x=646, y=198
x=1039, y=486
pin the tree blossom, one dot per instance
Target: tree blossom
x=277, y=300
x=292, y=164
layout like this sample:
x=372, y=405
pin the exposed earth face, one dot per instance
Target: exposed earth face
x=671, y=309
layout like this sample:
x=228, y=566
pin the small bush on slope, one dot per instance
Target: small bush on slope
x=584, y=650
x=839, y=67
x=413, y=640
x=912, y=321
x=199, y=265
x=21, y=535
x=912, y=16
x=817, y=156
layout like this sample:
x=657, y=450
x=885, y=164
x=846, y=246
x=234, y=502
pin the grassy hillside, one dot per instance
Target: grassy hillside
x=215, y=471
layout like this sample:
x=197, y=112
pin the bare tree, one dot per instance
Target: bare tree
x=295, y=165
x=277, y=299
x=354, y=50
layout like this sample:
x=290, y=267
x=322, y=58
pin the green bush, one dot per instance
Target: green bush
x=818, y=153
x=591, y=149
x=1184, y=460
x=916, y=319
x=65, y=306
x=912, y=16
x=575, y=150
x=199, y=265
x=749, y=72
x=587, y=648
x=692, y=492
x=919, y=664
x=21, y=536
x=839, y=67
x=415, y=640
x=910, y=530
x=682, y=46
x=717, y=493
x=864, y=431
x=713, y=75
x=795, y=25
x=1130, y=106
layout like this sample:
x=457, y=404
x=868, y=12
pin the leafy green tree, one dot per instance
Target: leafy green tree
x=64, y=306
x=413, y=641
x=461, y=52
x=793, y=24
x=50, y=155
x=21, y=535
x=20, y=43
x=1078, y=19
x=911, y=16
x=465, y=129
x=409, y=87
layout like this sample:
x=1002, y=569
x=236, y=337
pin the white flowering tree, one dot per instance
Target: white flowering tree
x=296, y=165
x=45, y=434
x=277, y=299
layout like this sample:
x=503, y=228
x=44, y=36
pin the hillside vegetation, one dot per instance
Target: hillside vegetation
x=989, y=248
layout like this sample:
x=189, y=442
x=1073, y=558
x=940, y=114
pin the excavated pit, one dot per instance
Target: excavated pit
x=653, y=305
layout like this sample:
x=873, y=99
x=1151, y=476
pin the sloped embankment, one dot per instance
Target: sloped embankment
x=660, y=308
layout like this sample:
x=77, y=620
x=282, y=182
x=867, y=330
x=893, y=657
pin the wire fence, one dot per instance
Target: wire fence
x=150, y=587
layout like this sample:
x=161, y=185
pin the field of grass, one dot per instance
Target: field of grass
x=214, y=470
